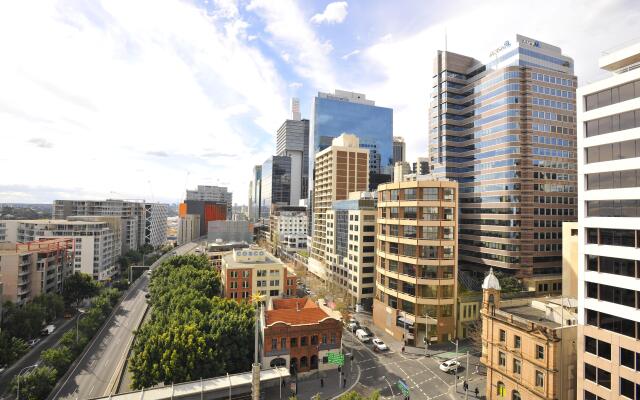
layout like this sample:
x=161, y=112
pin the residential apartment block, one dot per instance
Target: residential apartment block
x=214, y=194
x=254, y=271
x=33, y=268
x=350, y=247
x=340, y=169
x=505, y=129
x=528, y=345
x=416, y=261
x=298, y=334
x=142, y=223
x=609, y=230
x=96, y=245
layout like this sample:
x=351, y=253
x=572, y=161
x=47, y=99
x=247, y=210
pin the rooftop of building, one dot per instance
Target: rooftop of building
x=295, y=312
x=542, y=311
x=247, y=257
x=7, y=248
x=622, y=58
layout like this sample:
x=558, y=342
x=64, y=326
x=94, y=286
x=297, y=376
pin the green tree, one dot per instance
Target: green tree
x=23, y=322
x=11, y=348
x=58, y=358
x=78, y=287
x=146, y=248
x=509, y=283
x=53, y=305
x=133, y=257
x=352, y=395
x=35, y=385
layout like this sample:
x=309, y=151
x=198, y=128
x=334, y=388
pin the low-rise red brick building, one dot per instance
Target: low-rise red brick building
x=298, y=334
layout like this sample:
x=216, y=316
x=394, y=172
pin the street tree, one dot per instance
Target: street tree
x=52, y=303
x=11, y=348
x=36, y=384
x=58, y=358
x=78, y=287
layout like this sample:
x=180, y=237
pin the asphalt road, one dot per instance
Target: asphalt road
x=33, y=355
x=97, y=372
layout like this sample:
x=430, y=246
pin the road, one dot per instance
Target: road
x=33, y=355
x=96, y=373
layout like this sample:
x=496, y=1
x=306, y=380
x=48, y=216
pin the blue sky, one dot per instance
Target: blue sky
x=142, y=99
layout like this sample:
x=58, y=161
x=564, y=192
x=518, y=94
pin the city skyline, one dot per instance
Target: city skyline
x=64, y=82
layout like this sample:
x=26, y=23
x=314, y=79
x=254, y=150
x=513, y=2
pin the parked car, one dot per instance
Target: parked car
x=366, y=329
x=379, y=344
x=353, y=325
x=363, y=336
x=33, y=342
x=48, y=330
x=449, y=366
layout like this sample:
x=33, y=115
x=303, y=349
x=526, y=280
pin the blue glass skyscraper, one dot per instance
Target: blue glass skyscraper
x=348, y=112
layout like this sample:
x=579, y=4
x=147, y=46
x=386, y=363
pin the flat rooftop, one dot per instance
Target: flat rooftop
x=531, y=314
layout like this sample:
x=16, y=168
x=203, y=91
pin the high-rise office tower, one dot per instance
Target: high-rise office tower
x=505, y=130
x=349, y=112
x=399, y=150
x=275, y=188
x=292, y=141
x=255, y=188
x=609, y=230
x=340, y=169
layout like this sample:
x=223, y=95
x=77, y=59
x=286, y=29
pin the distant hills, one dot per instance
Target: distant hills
x=24, y=211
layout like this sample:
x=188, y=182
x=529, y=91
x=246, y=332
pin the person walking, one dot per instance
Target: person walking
x=322, y=383
x=477, y=392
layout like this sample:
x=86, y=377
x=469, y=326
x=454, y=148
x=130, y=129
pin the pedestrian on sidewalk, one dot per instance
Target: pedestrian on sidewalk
x=322, y=383
x=477, y=392
x=344, y=382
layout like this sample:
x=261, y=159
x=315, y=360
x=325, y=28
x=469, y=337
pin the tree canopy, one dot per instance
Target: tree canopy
x=191, y=333
x=78, y=287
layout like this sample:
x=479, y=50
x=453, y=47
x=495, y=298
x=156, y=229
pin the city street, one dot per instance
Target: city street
x=33, y=356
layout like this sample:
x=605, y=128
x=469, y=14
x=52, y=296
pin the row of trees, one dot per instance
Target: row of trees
x=38, y=383
x=192, y=333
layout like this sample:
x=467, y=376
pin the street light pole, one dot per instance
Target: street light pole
x=81, y=313
x=466, y=379
x=455, y=375
x=18, y=379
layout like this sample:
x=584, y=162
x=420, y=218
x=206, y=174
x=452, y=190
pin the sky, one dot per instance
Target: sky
x=144, y=99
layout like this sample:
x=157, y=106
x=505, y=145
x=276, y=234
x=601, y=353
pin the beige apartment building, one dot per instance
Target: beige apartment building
x=30, y=269
x=254, y=271
x=416, y=261
x=350, y=249
x=340, y=169
x=528, y=345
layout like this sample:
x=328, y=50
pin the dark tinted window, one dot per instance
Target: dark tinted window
x=627, y=388
x=604, y=378
x=604, y=349
x=613, y=95
x=590, y=372
x=627, y=358
x=590, y=345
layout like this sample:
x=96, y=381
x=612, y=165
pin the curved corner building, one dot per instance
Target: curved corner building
x=505, y=130
x=416, y=261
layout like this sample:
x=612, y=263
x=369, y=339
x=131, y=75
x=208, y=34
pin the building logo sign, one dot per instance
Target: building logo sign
x=504, y=46
x=533, y=43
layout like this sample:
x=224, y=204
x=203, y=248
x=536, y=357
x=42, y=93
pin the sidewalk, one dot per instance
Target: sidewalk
x=309, y=386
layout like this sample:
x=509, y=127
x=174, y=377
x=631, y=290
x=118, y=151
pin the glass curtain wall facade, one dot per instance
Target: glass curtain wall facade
x=506, y=131
x=347, y=112
x=275, y=184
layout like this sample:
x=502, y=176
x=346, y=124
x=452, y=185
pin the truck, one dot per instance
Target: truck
x=363, y=336
x=48, y=330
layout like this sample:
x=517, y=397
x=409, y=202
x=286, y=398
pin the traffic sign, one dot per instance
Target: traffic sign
x=404, y=388
x=336, y=358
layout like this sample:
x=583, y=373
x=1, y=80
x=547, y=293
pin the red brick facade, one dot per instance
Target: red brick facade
x=238, y=284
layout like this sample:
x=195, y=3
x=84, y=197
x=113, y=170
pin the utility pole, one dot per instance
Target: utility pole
x=255, y=368
x=466, y=379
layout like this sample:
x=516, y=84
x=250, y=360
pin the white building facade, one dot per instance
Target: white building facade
x=609, y=230
x=97, y=247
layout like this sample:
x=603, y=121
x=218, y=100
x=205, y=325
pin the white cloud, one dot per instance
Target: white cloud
x=350, y=54
x=115, y=87
x=295, y=85
x=406, y=62
x=289, y=31
x=334, y=13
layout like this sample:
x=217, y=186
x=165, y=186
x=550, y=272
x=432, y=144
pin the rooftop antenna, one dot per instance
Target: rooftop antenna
x=445, y=38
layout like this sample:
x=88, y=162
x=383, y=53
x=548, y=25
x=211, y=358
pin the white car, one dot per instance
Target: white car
x=33, y=342
x=379, y=344
x=449, y=366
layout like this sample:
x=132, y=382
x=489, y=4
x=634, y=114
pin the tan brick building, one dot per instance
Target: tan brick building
x=528, y=346
x=340, y=169
x=416, y=260
x=254, y=271
x=30, y=269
